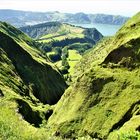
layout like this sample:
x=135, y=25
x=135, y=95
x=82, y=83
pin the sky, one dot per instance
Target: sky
x=116, y=7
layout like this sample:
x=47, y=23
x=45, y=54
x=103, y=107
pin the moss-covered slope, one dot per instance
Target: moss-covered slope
x=104, y=100
x=30, y=65
x=29, y=84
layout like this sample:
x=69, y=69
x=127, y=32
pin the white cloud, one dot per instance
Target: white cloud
x=122, y=7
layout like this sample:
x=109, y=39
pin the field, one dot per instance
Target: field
x=73, y=59
x=65, y=31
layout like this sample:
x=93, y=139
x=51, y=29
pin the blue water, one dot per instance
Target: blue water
x=105, y=29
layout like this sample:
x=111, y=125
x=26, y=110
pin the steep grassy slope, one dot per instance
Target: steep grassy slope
x=36, y=31
x=33, y=69
x=28, y=84
x=104, y=100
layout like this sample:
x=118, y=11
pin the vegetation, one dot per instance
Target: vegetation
x=73, y=59
x=103, y=101
x=54, y=38
x=27, y=82
x=80, y=47
x=55, y=55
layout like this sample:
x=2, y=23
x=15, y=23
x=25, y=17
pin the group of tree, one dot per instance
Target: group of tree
x=65, y=64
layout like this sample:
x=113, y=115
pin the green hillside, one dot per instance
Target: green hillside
x=65, y=31
x=54, y=37
x=56, y=31
x=104, y=100
x=29, y=84
x=30, y=64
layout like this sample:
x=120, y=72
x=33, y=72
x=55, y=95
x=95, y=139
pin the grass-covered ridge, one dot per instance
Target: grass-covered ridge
x=56, y=31
x=65, y=31
x=23, y=18
x=104, y=100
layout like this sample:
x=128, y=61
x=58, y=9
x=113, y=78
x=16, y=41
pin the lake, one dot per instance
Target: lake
x=105, y=29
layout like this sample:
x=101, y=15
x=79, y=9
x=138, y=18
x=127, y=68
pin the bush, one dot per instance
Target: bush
x=54, y=57
x=80, y=47
x=57, y=50
x=46, y=48
x=131, y=135
x=65, y=64
x=64, y=70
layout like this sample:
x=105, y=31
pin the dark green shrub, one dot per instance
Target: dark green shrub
x=65, y=52
x=64, y=70
x=54, y=57
x=57, y=50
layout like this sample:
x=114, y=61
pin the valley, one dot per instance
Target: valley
x=64, y=44
x=59, y=81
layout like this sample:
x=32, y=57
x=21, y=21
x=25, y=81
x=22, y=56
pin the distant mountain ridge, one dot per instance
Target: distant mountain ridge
x=58, y=39
x=39, y=30
x=23, y=18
